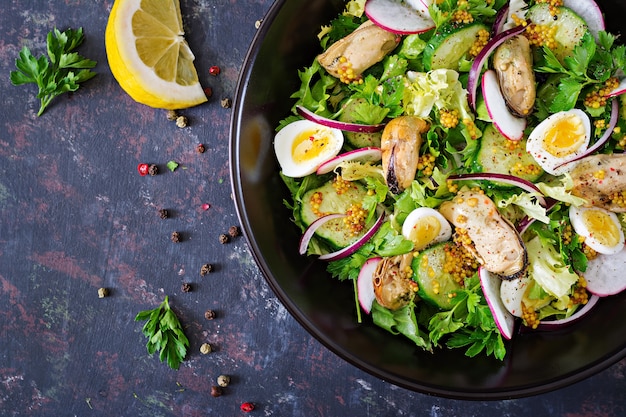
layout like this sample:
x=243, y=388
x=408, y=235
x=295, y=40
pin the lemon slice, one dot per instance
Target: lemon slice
x=148, y=54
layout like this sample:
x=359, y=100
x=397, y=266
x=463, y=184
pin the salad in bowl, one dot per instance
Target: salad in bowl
x=460, y=162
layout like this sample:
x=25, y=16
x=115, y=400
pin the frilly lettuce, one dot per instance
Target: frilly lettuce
x=437, y=89
x=528, y=204
x=354, y=8
x=561, y=190
x=546, y=267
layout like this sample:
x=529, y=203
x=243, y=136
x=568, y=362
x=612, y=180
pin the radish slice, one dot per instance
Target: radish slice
x=553, y=324
x=361, y=154
x=603, y=139
x=620, y=89
x=511, y=127
x=335, y=124
x=491, y=284
x=512, y=293
x=481, y=59
x=605, y=274
x=365, y=284
x=310, y=231
x=507, y=179
x=349, y=250
x=590, y=12
x=398, y=17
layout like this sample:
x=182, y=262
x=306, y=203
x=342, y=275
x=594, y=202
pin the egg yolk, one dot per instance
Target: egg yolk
x=424, y=232
x=601, y=227
x=564, y=136
x=309, y=144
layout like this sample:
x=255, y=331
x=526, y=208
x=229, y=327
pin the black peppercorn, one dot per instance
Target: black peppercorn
x=153, y=170
x=175, y=237
x=216, y=391
x=163, y=213
x=209, y=314
x=206, y=269
x=186, y=287
x=226, y=103
x=223, y=238
x=233, y=231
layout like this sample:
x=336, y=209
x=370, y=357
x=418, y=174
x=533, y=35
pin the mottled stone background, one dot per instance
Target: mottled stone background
x=76, y=216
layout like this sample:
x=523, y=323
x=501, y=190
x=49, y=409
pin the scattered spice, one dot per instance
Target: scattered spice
x=206, y=269
x=153, y=170
x=200, y=148
x=226, y=103
x=214, y=70
x=102, y=292
x=257, y=24
x=175, y=237
x=247, y=407
x=164, y=214
x=223, y=238
x=206, y=206
x=143, y=169
x=223, y=381
x=186, y=287
x=181, y=121
x=171, y=115
x=210, y=314
x=205, y=348
x=172, y=165
x=216, y=391
x=233, y=231
x=208, y=91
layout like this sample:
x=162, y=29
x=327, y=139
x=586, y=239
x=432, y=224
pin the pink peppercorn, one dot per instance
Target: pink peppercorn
x=247, y=407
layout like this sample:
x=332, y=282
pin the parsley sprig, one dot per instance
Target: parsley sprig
x=590, y=63
x=165, y=334
x=59, y=72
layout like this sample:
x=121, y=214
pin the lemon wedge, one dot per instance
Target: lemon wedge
x=148, y=54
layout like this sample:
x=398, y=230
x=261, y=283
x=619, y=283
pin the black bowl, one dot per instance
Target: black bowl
x=535, y=363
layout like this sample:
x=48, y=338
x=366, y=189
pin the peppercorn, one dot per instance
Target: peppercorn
x=247, y=407
x=226, y=102
x=153, y=170
x=209, y=314
x=257, y=24
x=181, y=121
x=208, y=91
x=205, y=348
x=216, y=391
x=175, y=237
x=102, y=292
x=143, y=169
x=186, y=287
x=223, y=381
x=214, y=70
x=206, y=269
x=233, y=231
x=171, y=115
x=223, y=238
x=163, y=213
x=200, y=148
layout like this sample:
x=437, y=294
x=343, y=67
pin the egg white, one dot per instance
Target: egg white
x=537, y=147
x=420, y=216
x=596, y=239
x=299, y=159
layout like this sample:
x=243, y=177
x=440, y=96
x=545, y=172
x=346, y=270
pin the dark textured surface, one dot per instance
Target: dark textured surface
x=76, y=216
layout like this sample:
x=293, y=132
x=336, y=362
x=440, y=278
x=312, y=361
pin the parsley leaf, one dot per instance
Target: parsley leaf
x=60, y=72
x=165, y=334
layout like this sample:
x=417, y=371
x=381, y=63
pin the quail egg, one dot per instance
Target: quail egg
x=558, y=139
x=600, y=228
x=302, y=146
x=425, y=226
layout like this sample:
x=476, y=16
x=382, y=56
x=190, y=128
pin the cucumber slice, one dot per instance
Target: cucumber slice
x=499, y=155
x=570, y=27
x=358, y=139
x=449, y=45
x=334, y=232
x=435, y=286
